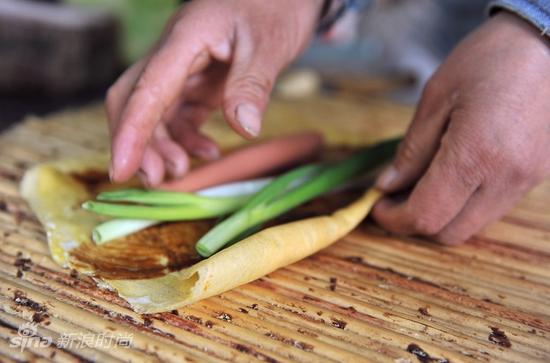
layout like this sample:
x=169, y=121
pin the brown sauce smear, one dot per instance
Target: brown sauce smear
x=94, y=180
x=168, y=247
x=152, y=252
x=149, y=253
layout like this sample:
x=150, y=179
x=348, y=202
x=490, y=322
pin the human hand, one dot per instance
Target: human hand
x=480, y=137
x=212, y=53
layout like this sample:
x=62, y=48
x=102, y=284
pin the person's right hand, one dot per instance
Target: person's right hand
x=212, y=53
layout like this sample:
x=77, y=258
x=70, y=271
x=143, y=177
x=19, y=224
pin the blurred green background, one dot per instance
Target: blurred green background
x=142, y=21
x=139, y=24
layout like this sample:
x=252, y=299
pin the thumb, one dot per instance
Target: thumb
x=247, y=92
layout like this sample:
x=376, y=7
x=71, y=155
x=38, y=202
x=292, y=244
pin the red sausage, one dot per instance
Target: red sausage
x=251, y=161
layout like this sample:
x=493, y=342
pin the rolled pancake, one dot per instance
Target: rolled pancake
x=54, y=191
x=54, y=196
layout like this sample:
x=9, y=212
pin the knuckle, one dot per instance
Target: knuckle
x=511, y=159
x=426, y=225
x=433, y=87
x=520, y=168
x=255, y=85
x=133, y=128
x=465, y=162
x=149, y=93
x=510, y=162
x=408, y=151
x=450, y=238
x=468, y=171
x=522, y=172
x=144, y=84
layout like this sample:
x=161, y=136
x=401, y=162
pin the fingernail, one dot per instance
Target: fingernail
x=111, y=173
x=248, y=117
x=387, y=177
x=208, y=153
x=222, y=51
x=143, y=177
x=172, y=168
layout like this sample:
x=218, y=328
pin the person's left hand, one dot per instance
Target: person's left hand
x=480, y=137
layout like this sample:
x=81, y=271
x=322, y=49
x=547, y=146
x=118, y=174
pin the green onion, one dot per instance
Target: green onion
x=162, y=198
x=245, y=187
x=163, y=212
x=272, y=198
x=283, y=183
x=118, y=228
x=240, y=222
x=166, y=206
x=275, y=199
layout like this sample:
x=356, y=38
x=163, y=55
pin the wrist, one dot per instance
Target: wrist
x=520, y=29
x=535, y=12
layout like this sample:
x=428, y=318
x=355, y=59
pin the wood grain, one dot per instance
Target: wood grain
x=369, y=297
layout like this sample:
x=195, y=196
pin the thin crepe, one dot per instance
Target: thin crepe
x=55, y=196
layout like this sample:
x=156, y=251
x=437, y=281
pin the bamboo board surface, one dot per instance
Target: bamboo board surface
x=369, y=297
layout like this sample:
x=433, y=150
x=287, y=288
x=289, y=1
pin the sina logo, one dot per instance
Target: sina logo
x=27, y=337
x=27, y=330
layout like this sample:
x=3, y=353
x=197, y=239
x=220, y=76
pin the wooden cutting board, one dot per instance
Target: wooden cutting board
x=369, y=297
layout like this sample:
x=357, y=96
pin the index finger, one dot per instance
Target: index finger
x=157, y=88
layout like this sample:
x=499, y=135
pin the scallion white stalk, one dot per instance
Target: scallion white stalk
x=245, y=187
x=118, y=228
x=122, y=227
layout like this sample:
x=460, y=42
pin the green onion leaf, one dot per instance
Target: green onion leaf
x=239, y=192
x=162, y=213
x=270, y=202
x=163, y=198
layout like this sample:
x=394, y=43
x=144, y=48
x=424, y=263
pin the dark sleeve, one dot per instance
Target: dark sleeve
x=334, y=9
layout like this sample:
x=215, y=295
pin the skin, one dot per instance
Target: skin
x=476, y=144
x=213, y=54
x=480, y=138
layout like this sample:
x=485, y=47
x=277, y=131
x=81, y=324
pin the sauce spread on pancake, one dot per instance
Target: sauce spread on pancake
x=149, y=253
x=168, y=247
